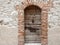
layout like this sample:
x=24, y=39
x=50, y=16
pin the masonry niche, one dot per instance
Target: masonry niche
x=32, y=24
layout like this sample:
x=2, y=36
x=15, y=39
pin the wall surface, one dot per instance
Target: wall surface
x=9, y=23
x=54, y=24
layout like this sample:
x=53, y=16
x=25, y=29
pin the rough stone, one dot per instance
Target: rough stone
x=9, y=22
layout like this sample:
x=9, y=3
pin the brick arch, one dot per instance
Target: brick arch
x=44, y=24
x=37, y=5
x=34, y=6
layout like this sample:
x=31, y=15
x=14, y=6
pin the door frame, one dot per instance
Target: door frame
x=44, y=19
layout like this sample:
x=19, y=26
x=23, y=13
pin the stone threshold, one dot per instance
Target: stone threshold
x=32, y=43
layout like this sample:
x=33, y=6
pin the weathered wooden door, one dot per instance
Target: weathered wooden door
x=32, y=24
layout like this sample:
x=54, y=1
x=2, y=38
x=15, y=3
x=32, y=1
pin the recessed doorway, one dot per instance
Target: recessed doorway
x=32, y=24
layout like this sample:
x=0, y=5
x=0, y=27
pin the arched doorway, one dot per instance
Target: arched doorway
x=32, y=24
x=27, y=20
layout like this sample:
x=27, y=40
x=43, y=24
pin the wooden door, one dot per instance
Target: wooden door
x=32, y=24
